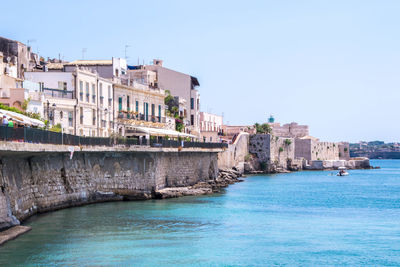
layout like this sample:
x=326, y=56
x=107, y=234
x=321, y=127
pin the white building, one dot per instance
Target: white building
x=210, y=126
x=56, y=100
x=114, y=68
x=81, y=101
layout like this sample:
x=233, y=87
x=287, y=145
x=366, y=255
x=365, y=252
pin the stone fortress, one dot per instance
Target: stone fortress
x=290, y=147
x=287, y=147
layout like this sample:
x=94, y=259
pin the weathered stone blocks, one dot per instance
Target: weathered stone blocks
x=39, y=182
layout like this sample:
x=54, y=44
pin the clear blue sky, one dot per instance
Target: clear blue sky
x=334, y=65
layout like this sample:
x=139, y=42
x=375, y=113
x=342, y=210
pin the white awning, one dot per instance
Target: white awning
x=160, y=132
x=21, y=118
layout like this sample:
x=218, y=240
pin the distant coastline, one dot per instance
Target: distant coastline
x=376, y=154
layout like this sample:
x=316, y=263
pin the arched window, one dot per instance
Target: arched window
x=17, y=104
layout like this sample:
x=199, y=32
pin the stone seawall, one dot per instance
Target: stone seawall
x=31, y=183
x=235, y=155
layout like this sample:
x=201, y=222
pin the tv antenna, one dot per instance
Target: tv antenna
x=84, y=50
x=126, y=49
x=30, y=41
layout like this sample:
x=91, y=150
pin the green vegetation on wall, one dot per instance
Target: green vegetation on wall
x=263, y=128
x=288, y=142
x=248, y=157
x=173, y=111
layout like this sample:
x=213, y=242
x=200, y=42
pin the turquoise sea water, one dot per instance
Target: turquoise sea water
x=303, y=218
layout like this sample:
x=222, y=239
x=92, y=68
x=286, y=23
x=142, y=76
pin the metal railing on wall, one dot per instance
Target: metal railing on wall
x=38, y=136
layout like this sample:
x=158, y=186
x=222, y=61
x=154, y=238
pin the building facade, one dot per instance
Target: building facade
x=179, y=84
x=18, y=56
x=55, y=101
x=105, y=107
x=11, y=88
x=289, y=130
x=81, y=101
x=138, y=106
x=113, y=69
x=210, y=127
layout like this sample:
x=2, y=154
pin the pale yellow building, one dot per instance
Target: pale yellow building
x=138, y=106
x=105, y=107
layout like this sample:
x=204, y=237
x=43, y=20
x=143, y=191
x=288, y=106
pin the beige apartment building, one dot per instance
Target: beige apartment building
x=179, y=84
x=105, y=107
x=11, y=91
x=138, y=108
x=86, y=110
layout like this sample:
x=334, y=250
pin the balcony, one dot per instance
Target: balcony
x=140, y=117
x=57, y=93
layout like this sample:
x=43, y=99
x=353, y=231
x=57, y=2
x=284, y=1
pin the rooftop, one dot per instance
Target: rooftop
x=90, y=62
x=55, y=66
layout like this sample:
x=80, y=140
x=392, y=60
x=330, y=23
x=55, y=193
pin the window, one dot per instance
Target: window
x=191, y=119
x=62, y=85
x=119, y=103
x=153, y=111
x=159, y=113
x=146, y=111
x=109, y=96
x=101, y=93
x=137, y=106
x=94, y=116
x=93, y=93
x=128, y=106
x=198, y=104
x=61, y=115
x=70, y=116
x=192, y=103
x=87, y=92
x=81, y=114
x=81, y=90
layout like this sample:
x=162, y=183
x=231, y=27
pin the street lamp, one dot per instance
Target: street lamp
x=48, y=110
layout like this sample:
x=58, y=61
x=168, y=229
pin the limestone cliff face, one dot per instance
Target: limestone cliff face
x=39, y=182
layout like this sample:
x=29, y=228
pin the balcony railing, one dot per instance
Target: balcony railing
x=140, y=117
x=59, y=93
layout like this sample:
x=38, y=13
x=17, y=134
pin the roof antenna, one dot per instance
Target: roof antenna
x=30, y=41
x=126, y=48
x=84, y=50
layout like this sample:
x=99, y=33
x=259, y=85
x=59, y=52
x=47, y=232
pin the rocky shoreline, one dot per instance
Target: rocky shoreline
x=225, y=178
x=281, y=170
